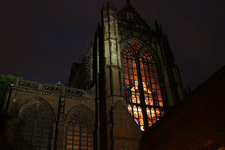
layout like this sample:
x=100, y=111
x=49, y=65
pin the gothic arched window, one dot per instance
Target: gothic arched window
x=34, y=128
x=141, y=70
x=80, y=131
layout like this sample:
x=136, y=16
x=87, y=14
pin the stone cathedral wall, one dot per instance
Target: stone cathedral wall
x=56, y=99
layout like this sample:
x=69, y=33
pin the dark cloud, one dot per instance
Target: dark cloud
x=40, y=39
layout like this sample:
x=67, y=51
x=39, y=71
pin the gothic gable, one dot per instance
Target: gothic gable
x=128, y=15
x=131, y=24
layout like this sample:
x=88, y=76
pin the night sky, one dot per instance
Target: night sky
x=40, y=40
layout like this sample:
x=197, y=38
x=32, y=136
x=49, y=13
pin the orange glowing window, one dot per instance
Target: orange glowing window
x=140, y=116
x=130, y=110
x=140, y=71
x=150, y=85
x=136, y=46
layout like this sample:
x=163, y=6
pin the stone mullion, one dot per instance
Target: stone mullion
x=72, y=136
x=146, y=84
x=156, y=90
x=138, y=116
x=151, y=86
x=33, y=132
x=134, y=82
x=154, y=106
x=145, y=112
x=150, y=83
x=128, y=69
x=151, y=116
x=141, y=94
x=147, y=91
x=87, y=138
x=80, y=137
x=126, y=78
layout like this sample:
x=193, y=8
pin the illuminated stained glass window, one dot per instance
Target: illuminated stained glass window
x=136, y=46
x=130, y=75
x=132, y=86
x=151, y=87
x=146, y=69
x=136, y=112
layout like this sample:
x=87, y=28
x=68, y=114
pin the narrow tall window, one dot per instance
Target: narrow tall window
x=150, y=85
x=132, y=85
x=80, y=131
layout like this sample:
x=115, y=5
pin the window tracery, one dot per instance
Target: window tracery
x=150, y=85
x=34, y=128
x=131, y=78
x=138, y=115
x=80, y=131
x=150, y=80
x=136, y=46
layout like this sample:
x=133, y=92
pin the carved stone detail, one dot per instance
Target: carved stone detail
x=33, y=129
x=52, y=88
x=36, y=111
x=31, y=84
x=81, y=118
x=46, y=88
x=74, y=92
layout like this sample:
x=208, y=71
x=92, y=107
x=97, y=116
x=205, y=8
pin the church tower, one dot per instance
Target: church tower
x=134, y=68
x=108, y=73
